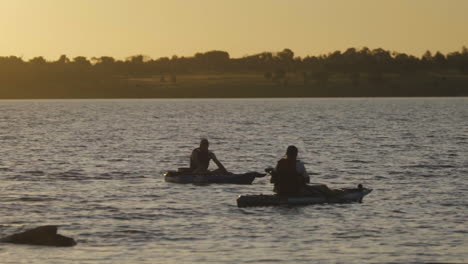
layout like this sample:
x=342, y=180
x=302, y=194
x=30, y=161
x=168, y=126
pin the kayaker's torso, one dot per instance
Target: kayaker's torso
x=200, y=158
x=289, y=181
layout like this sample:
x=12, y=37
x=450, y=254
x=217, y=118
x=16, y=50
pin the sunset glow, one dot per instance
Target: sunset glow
x=122, y=28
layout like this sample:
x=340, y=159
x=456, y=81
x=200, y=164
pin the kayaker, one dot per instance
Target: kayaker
x=291, y=175
x=200, y=159
x=292, y=178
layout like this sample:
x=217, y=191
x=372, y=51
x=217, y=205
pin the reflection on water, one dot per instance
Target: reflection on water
x=94, y=167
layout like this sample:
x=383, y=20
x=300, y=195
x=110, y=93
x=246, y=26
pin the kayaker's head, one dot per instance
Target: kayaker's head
x=291, y=152
x=204, y=144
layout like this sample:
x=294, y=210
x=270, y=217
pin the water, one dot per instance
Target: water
x=94, y=168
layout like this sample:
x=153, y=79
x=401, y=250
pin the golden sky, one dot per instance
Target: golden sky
x=121, y=28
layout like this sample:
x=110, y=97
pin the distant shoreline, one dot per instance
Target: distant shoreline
x=214, y=74
x=228, y=98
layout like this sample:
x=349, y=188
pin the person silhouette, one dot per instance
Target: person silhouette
x=200, y=159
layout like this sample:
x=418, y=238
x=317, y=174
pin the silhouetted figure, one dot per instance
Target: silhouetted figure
x=291, y=178
x=42, y=236
x=200, y=159
x=291, y=175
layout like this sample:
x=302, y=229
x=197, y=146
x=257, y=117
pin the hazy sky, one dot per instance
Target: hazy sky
x=157, y=28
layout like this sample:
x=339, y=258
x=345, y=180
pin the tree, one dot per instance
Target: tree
x=82, y=61
x=138, y=59
x=286, y=55
x=213, y=57
x=63, y=60
x=439, y=59
x=104, y=60
x=38, y=60
x=427, y=56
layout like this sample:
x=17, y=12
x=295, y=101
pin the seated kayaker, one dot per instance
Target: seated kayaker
x=200, y=159
x=291, y=178
x=291, y=175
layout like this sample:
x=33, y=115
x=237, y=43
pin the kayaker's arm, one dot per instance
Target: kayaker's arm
x=217, y=162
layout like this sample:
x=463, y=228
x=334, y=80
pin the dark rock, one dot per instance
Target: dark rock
x=43, y=236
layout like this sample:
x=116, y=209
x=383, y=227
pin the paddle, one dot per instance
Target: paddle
x=256, y=174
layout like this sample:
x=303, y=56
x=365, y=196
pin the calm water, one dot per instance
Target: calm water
x=94, y=168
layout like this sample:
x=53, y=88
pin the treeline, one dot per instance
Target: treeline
x=351, y=60
x=96, y=76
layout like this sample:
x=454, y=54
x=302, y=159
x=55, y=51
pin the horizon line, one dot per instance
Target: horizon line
x=461, y=49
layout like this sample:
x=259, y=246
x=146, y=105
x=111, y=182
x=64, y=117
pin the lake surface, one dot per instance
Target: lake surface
x=95, y=167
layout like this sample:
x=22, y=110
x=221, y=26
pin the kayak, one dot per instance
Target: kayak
x=345, y=195
x=208, y=178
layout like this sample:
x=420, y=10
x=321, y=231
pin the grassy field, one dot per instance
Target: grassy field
x=294, y=85
x=243, y=85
